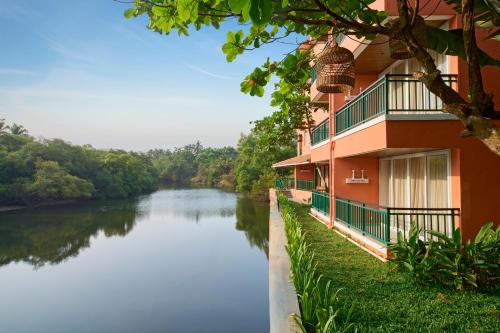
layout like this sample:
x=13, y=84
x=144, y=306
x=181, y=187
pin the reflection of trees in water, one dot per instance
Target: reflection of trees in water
x=193, y=204
x=51, y=235
x=197, y=213
x=253, y=218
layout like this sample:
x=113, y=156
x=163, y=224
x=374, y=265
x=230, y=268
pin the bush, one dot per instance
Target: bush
x=319, y=302
x=446, y=261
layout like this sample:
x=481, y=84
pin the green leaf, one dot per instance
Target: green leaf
x=261, y=11
x=451, y=43
x=187, y=10
x=233, y=45
x=129, y=13
x=238, y=5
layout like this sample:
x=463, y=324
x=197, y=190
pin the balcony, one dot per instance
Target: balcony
x=391, y=94
x=320, y=133
x=305, y=184
x=321, y=202
x=283, y=184
x=384, y=223
x=291, y=183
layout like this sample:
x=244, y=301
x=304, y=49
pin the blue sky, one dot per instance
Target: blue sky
x=80, y=71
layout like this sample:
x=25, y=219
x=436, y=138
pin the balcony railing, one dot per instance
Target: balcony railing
x=321, y=202
x=305, y=184
x=384, y=223
x=395, y=94
x=291, y=183
x=321, y=132
x=284, y=183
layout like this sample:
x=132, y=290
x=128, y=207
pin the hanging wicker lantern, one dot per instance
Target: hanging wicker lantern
x=398, y=48
x=335, y=70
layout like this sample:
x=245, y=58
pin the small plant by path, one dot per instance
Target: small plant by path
x=318, y=298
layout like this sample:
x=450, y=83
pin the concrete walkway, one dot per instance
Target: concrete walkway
x=282, y=296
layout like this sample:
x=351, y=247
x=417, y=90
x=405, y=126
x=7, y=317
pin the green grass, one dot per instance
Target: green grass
x=386, y=300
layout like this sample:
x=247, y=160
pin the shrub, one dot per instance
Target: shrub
x=319, y=302
x=446, y=261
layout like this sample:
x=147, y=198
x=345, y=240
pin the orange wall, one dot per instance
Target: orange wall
x=369, y=139
x=321, y=153
x=480, y=186
x=342, y=169
x=304, y=171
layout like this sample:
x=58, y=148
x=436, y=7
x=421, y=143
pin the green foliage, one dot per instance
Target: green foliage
x=34, y=171
x=253, y=170
x=17, y=129
x=319, y=302
x=53, y=182
x=194, y=164
x=79, y=172
x=487, y=15
x=446, y=261
x=452, y=43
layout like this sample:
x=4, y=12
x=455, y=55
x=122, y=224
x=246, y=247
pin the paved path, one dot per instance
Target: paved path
x=282, y=295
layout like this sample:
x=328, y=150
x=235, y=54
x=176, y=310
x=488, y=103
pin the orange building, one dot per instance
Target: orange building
x=385, y=156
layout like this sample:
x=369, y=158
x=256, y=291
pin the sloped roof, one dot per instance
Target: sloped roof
x=297, y=160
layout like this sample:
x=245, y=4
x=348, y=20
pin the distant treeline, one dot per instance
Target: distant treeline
x=36, y=171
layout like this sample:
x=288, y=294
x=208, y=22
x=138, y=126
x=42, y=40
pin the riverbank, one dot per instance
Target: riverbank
x=385, y=300
x=43, y=204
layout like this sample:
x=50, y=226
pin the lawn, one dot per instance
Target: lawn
x=385, y=300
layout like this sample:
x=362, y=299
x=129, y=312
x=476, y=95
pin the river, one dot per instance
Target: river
x=189, y=260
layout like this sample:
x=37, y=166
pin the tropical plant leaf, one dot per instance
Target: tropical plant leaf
x=451, y=43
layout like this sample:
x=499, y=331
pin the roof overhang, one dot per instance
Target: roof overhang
x=297, y=160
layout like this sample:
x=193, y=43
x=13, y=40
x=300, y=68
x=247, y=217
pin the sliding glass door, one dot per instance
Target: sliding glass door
x=412, y=185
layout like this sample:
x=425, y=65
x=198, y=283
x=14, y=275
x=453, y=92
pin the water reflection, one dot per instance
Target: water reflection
x=51, y=235
x=253, y=218
x=172, y=261
x=191, y=204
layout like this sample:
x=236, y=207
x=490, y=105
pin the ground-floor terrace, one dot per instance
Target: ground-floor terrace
x=374, y=196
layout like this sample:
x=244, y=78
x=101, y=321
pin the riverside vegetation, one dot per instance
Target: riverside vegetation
x=320, y=308
x=42, y=171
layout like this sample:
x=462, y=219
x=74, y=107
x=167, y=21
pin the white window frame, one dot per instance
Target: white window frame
x=408, y=157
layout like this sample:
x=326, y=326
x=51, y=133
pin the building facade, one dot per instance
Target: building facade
x=385, y=156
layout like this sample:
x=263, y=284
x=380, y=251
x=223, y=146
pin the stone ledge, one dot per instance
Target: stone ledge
x=283, y=299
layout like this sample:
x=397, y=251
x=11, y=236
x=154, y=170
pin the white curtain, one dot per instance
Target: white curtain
x=437, y=181
x=384, y=182
x=417, y=182
x=399, y=183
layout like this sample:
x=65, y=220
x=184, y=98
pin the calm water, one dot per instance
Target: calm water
x=174, y=261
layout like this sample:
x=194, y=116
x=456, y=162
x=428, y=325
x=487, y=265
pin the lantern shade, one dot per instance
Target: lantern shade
x=398, y=48
x=335, y=71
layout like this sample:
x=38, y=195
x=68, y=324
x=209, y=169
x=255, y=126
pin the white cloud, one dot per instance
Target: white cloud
x=15, y=71
x=203, y=71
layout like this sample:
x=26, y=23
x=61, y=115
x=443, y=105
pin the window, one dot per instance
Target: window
x=415, y=181
x=408, y=94
x=322, y=177
x=416, y=188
